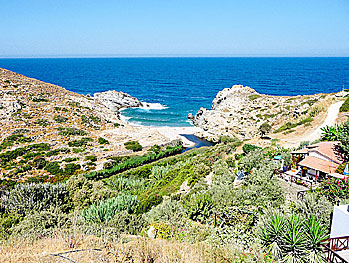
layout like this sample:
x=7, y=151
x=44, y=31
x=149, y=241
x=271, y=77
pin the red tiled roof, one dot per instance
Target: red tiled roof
x=327, y=149
x=301, y=151
x=319, y=164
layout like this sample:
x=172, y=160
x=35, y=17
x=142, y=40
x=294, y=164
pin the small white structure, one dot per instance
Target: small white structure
x=340, y=221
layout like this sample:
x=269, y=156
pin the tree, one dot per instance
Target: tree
x=264, y=128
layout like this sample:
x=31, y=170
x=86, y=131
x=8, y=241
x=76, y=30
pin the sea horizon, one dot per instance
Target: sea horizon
x=182, y=85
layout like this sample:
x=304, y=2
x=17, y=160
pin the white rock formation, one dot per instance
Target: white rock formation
x=116, y=100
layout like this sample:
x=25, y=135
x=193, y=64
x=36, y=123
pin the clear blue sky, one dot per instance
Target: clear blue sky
x=35, y=28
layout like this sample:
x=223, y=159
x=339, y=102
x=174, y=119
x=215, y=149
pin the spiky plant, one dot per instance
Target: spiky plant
x=331, y=133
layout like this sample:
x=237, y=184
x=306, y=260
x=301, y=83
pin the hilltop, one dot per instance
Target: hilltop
x=242, y=112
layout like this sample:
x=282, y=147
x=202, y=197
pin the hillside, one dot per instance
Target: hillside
x=41, y=123
x=242, y=112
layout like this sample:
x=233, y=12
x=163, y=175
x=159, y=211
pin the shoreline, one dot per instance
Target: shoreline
x=170, y=132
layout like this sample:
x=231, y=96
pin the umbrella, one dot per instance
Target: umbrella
x=346, y=170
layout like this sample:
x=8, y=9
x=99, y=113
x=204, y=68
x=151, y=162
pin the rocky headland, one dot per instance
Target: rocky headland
x=242, y=112
x=65, y=126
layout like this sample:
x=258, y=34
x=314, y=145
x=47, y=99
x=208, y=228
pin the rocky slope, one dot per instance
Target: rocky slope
x=240, y=111
x=62, y=124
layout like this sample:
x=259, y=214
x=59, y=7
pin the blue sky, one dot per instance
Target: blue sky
x=64, y=28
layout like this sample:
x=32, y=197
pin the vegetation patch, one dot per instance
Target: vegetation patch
x=253, y=97
x=133, y=145
x=71, y=131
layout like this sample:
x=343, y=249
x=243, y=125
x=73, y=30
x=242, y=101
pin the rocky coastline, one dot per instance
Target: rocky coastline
x=240, y=112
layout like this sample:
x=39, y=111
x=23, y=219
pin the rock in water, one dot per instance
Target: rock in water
x=116, y=100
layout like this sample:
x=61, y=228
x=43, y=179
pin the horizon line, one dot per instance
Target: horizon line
x=173, y=56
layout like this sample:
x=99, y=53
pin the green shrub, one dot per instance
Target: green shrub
x=58, y=151
x=134, y=161
x=345, y=106
x=247, y=148
x=104, y=211
x=42, y=122
x=264, y=128
x=155, y=148
x=116, y=124
x=70, y=159
x=82, y=142
x=41, y=223
x=39, y=99
x=90, y=119
x=39, y=162
x=71, y=132
x=230, y=140
x=102, y=141
x=253, y=97
x=91, y=158
x=133, y=145
x=127, y=223
x=199, y=207
x=60, y=119
x=7, y=222
x=71, y=168
x=53, y=168
x=26, y=198
x=169, y=211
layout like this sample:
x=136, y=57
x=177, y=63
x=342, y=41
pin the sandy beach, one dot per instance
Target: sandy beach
x=174, y=133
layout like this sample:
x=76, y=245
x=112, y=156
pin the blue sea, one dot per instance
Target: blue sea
x=178, y=86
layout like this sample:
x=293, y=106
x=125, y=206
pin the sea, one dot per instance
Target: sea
x=176, y=87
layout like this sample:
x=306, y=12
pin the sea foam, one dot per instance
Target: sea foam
x=153, y=106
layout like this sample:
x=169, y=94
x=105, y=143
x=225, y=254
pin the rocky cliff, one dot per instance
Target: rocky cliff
x=240, y=111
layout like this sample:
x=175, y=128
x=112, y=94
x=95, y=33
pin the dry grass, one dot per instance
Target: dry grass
x=93, y=249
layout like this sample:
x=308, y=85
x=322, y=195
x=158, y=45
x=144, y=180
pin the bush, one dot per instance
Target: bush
x=345, y=106
x=40, y=223
x=334, y=189
x=60, y=119
x=7, y=221
x=42, y=122
x=155, y=148
x=134, y=146
x=230, y=140
x=264, y=128
x=54, y=168
x=134, y=161
x=26, y=198
x=84, y=192
x=82, y=142
x=71, y=132
x=91, y=158
x=102, y=141
x=169, y=211
x=127, y=223
x=247, y=148
x=199, y=207
x=104, y=211
x=71, y=168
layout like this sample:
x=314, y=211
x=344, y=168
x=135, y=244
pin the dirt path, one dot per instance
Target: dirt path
x=332, y=115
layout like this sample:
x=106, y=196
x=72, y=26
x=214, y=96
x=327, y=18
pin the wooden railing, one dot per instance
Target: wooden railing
x=332, y=246
x=299, y=180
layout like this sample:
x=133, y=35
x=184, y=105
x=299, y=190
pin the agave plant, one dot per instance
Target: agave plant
x=331, y=133
x=294, y=239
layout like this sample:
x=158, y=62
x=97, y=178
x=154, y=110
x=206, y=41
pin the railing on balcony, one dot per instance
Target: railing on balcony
x=301, y=180
x=334, y=245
